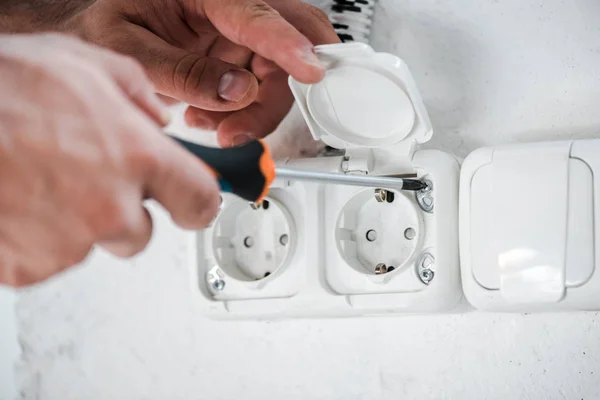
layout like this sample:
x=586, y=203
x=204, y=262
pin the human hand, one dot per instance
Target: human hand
x=201, y=52
x=80, y=148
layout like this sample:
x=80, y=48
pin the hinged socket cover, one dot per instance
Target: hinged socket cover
x=367, y=99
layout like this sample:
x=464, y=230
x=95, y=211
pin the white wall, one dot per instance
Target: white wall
x=490, y=72
x=9, y=347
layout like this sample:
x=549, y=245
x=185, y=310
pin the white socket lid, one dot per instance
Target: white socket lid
x=361, y=106
x=366, y=99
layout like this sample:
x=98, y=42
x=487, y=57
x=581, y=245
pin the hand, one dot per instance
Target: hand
x=80, y=147
x=201, y=52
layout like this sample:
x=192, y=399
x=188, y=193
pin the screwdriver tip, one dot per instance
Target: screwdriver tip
x=413, y=184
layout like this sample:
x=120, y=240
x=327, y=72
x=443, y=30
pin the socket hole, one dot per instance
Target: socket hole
x=390, y=197
x=284, y=239
x=248, y=241
x=410, y=233
x=266, y=204
x=390, y=269
x=380, y=269
x=267, y=274
x=371, y=235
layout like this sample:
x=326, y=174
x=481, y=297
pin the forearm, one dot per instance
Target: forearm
x=37, y=15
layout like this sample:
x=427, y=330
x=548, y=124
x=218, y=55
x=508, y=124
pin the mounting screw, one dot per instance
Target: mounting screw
x=218, y=285
x=380, y=195
x=426, y=275
x=425, y=197
x=426, y=268
x=380, y=268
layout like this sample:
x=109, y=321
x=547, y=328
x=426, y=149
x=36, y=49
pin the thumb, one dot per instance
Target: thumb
x=204, y=82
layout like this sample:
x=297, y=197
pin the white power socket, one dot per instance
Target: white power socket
x=337, y=236
x=331, y=250
x=251, y=243
x=252, y=252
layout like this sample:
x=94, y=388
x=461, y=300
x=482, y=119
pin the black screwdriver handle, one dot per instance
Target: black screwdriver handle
x=246, y=171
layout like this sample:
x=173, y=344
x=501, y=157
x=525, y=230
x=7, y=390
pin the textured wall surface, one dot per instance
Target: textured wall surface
x=490, y=72
x=9, y=347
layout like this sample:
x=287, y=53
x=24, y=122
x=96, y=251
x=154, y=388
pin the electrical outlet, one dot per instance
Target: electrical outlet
x=378, y=234
x=319, y=249
x=250, y=251
x=396, y=249
x=336, y=237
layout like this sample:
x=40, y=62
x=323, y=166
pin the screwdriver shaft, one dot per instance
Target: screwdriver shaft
x=352, y=180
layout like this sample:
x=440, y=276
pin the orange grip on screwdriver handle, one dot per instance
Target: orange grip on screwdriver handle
x=246, y=171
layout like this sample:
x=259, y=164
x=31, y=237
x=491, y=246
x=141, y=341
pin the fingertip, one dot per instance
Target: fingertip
x=313, y=69
x=237, y=85
x=8, y=274
x=201, y=212
x=191, y=195
x=244, y=126
x=263, y=116
x=233, y=137
x=134, y=241
x=204, y=119
x=301, y=62
x=194, y=118
x=165, y=117
x=163, y=114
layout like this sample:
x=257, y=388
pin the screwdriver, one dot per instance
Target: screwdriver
x=248, y=171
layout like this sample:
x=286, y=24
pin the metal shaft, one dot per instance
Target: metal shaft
x=352, y=180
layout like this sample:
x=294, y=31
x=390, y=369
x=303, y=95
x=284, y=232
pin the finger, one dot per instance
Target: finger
x=183, y=184
x=232, y=53
x=311, y=21
x=162, y=170
x=167, y=100
x=19, y=276
x=131, y=78
x=254, y=24
x=200, y=81
x=260, y=118
x=261, y=67
x=34, y=270
x=11, y=273
x=133, y=240
x=210, y=120
x=204, y=119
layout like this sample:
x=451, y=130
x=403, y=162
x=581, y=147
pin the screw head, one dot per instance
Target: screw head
x=425, y=197
x=380, y=195
x=426, y=275
x=426, y=268
x=218, y=285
